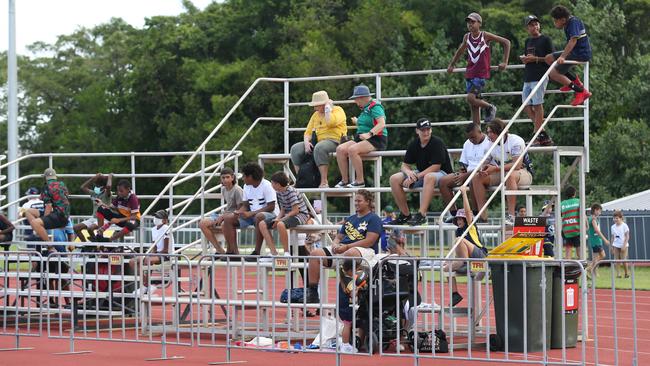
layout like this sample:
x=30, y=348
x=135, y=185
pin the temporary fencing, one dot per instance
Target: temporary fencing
x=517, y=311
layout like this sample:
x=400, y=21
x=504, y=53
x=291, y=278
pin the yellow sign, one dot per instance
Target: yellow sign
x=478, y=267
x=518, y=245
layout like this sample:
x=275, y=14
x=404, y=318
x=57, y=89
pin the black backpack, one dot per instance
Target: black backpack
x=308, y=175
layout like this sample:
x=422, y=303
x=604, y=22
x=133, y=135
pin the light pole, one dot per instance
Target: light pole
x=12, y=117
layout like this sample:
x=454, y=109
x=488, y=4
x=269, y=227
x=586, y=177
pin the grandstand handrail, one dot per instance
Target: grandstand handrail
x=214, y=172
x=495, y=144
x=207, y=139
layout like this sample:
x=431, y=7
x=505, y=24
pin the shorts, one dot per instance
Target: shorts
x=89, y=222
x=109, y=214
x=538, y=97
x=474, y=86
x=55, y=220
x=478, y=253
x=420, y=181
x=596, y=248
x=572, y=241
x=564, y=68
x=523, y=177
x=345, y=310
x=291, y=221
x=244, y=223
x=379, y=142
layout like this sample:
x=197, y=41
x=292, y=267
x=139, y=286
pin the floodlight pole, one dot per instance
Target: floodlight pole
x=12, y=115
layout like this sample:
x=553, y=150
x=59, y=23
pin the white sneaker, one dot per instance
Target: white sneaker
x=347, y=348
x=266, y=259
x=144, y=290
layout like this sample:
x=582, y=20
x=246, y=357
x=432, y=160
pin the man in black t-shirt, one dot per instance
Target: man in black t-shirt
x=537, y=46
x=429, y=155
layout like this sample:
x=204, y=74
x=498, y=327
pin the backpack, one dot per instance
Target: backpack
x=308, y=175
x=426, y=342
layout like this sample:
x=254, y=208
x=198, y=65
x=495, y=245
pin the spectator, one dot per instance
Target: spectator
x=293, y=212
x=596, y=239
x=429, y=155
x=123, y=212
x=62, y=235
x=163, y=243
x=620, y=241
x=328, y=123
x=477, y=44
x=371, y=135
x=537, y=46
x=474, y=149
x=576, y=49
x=521, y=210
x=469, y=246
x=6, y=232
x=258, y=204
x=57, y=206
x=490, y=174
x=570, y=212
x=388, y=215
x=101, y=191
x=549, y=239
x=232, y=194
x=358, y=237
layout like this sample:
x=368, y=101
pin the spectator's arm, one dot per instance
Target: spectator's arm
x=469, y=215
x=166, y=246
x=381, y=123
x=85, y=187
x=569, y=47
x=626, y=241
x=10, y=226
x=48, y=209
x=594, y=223
x=295, y=210
x=459, y=51
x=109, y=184
x=506, y=47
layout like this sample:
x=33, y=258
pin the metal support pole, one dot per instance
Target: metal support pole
x=12, y=111
x=286, y=117
x=585, y=129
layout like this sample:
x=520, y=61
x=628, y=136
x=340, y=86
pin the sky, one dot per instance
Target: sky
x=44, y=20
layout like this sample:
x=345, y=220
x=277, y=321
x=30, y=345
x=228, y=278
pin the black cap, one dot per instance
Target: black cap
x=529, y=19
x=423, y=123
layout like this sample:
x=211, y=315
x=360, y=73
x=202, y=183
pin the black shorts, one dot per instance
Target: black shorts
x=379, y=142
x=55, y=220
x=572, y=242
x=290, y=222
x=109, y=214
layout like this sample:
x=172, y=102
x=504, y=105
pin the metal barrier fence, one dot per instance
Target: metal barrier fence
x=513, y=311
x=21, y=316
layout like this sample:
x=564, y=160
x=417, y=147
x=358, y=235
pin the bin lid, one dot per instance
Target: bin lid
x=519, y=246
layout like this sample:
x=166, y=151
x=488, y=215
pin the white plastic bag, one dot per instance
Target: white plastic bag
x=328, y=331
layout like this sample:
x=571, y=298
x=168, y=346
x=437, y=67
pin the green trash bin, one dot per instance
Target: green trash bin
x=516, y=305
x=571, y=307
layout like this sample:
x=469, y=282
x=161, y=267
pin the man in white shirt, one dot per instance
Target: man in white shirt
x=258, y=205
x=473, y=150
x=490, y=174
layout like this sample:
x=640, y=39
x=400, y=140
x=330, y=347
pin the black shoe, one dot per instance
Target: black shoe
x=456, y=298
x=491, y=113
x=231, y=258
x=400, y=220
x=252, y=259
x=417, y=219
x=311, y=295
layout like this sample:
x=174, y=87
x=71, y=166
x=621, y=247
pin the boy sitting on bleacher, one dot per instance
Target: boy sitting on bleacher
x=124, y=211
x=233, y=196
x=293, y=212
x=163, y=243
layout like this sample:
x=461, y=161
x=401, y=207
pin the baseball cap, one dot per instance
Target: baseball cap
x=529, y=19
x=161, y=214
x=474, y=16
x=389, y=208
x=32, y=191
x=49, y=173
x=423, y=123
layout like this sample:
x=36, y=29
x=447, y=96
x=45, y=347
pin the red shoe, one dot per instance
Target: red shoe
x=576, y=82
x=580, y=98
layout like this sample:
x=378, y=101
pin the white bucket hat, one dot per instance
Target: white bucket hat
x=319, y=98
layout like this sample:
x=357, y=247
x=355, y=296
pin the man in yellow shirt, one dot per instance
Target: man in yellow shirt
x=328, y=122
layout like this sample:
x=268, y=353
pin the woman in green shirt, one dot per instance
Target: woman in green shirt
x=371, y=135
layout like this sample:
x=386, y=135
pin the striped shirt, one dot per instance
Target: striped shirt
x=570, y=210
x=290, y=198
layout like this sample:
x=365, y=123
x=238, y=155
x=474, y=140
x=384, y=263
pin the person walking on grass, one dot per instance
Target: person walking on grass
x=595, y=238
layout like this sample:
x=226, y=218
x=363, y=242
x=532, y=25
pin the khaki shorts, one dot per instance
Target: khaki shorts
x=368, y=254
x=523, y=177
